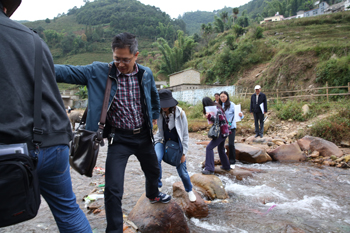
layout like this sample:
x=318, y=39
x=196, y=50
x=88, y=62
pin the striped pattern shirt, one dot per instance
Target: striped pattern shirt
x=126, y=110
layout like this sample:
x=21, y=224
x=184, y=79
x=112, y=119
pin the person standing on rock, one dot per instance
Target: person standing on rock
x=172, y=125
x=229, y=108
x=256, y=100
x=133, y=109
x=48, y=144
x=217, y=142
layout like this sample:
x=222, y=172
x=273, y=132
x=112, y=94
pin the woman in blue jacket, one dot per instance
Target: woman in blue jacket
x=229, y=108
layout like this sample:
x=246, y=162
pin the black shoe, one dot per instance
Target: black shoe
x=261, y=136
x=256, y=135
x=162, y=197
x=225, y=169
x=206, y=172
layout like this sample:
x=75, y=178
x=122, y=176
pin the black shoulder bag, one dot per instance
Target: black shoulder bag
x=19, y=182
x=86, y=144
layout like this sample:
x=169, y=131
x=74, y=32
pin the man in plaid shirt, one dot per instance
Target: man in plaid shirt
x=133, y=109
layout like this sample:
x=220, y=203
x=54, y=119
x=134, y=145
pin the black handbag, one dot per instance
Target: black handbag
x=214, y=131
x=85, y=145
x=20, y=193
x=173, y=153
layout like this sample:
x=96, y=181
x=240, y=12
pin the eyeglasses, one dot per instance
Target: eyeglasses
x=124, y=61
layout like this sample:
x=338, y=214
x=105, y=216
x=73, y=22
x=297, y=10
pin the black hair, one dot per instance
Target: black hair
x=216, y=94
x=124, y=40
x=227, y=103
x=206, y=101
x=171, y=109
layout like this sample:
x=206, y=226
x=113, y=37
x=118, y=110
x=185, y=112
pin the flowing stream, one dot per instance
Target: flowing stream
x=297, y=197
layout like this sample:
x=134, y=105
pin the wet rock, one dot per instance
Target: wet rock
x=238, y=173
x=288, y=153
x=197, y=209
x=326, y=148
x=158, y=217
x=250, y=154
x=210, y=185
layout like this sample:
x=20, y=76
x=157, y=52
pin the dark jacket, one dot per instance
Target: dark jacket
x=256, y=107
x=94, y=76
x=17, y=62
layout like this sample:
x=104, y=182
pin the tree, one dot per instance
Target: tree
x=235, y=12
x=219, y=25
x=224, y=16
x=174, y=58
x=47, y=20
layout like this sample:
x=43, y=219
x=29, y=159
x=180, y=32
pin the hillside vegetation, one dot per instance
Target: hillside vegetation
x=296, y=53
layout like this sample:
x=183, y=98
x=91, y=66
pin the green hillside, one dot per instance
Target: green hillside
x=294, y=53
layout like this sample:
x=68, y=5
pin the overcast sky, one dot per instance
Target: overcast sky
x=41, y=9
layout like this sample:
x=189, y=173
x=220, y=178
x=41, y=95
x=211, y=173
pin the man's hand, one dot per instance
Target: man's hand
x=240, y=114
x=154, y=122
x=183, y=158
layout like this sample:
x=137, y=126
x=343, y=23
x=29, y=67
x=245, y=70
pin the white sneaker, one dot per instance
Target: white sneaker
x=233, y=166
x=191, y=196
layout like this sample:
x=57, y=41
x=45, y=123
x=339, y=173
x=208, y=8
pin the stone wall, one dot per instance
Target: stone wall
x=195, y=96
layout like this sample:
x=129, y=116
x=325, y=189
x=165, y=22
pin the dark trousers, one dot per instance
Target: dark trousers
x=209, y=157
x=259, y=117
x=118, y=154
x=231, y=146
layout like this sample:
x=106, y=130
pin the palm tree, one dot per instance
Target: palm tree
x=235, y=12
x=224, y=16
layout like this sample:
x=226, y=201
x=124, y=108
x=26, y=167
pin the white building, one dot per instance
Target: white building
x=347, y=5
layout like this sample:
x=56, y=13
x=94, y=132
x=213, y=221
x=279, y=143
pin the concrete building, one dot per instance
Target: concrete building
x=347, y=5
x=189, y=76
x=300, y=14
x=275, y=18
x=161, y=84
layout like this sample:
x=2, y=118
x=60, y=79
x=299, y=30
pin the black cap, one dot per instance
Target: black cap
x=166, y=99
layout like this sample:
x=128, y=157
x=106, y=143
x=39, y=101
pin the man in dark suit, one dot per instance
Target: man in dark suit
x=256, y=100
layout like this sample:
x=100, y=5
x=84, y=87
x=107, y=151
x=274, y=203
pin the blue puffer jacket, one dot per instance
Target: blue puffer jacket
x=94, y=76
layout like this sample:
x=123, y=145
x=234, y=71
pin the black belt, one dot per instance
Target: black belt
x=129, y=131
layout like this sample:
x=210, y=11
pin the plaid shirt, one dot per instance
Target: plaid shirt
x=126, y=111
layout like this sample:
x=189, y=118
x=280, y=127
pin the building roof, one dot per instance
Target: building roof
x=183, y=71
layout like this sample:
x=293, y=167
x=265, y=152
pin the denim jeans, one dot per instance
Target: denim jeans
x=181, y=169
x=56, y=188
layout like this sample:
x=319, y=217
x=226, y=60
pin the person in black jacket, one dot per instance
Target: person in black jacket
x=256, y=100
x=17, y=62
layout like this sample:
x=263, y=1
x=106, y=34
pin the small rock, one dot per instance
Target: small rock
x=314, y=154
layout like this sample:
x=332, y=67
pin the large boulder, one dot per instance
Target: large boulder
x=250, y=154
x=324, y=147
x=238, y=173
x=197, y=209
x=287, y=153
x=210, y=185
x=158, y=217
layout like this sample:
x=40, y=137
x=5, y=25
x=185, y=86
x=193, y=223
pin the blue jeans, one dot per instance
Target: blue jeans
x=181, y=169
x=56, y=188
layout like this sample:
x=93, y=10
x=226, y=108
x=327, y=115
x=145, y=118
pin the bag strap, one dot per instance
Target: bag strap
x=101, y=124
x=37, y=130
